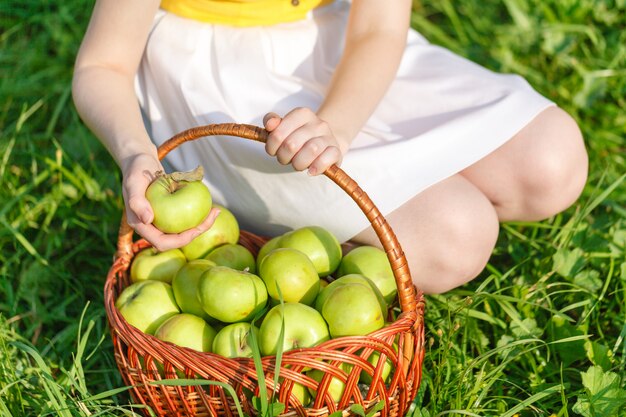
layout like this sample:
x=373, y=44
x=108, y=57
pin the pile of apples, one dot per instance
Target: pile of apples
x=213, y=294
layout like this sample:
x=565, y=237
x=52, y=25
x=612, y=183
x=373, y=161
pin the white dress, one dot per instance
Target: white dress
x=441, y=114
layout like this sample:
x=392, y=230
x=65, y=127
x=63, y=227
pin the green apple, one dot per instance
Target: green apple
x=336, y=386
x=155, y=265
x=185, y=287
x=352, y=309
x=188, y=331
x=300, y=392
x=374, y=264
x=374, y=358
x=225, y=229
x=234, y=256
x=304, y=327
x=147, y=304
x=233, y=341
x=267, y=247
x=349, y=279
x=179, y=201
x=291, y=271
x=320, y=245
x=230, y=296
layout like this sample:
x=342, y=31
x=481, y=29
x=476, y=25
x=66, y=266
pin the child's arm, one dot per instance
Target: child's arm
x=375, y=40
x=104, y=95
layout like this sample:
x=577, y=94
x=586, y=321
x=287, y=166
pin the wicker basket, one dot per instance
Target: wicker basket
x=143, y=360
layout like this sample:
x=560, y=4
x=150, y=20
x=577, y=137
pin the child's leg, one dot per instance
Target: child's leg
x=447, y=232
x=538, y=173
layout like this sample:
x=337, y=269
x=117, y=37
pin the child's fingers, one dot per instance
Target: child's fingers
x=331, y=155
x=139, y=172
x=162, y=241
x=209, y=220
x=290, y=123
x=296, y=141
x=141, y=208
x=308, y=153
x=136, y=201
x=271, y=121
x=303, y=140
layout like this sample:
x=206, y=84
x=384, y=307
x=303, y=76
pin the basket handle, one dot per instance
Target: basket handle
x=406, y=288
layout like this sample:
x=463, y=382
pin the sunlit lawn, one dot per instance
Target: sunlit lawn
x=541, y=332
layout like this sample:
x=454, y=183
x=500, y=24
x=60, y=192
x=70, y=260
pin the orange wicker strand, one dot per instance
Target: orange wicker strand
x=143, y=360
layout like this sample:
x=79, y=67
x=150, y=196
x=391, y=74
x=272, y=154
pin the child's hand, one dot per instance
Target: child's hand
x=138, y=173
x=303, y=140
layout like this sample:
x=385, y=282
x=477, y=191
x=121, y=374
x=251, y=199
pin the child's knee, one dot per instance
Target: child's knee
x=559, y=169
x=459, y=253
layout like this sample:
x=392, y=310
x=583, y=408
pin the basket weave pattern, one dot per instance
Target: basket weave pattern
x=143, y=360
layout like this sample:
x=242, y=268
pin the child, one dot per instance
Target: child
x=445, y=148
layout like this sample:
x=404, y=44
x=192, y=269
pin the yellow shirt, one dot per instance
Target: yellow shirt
x=242, y=12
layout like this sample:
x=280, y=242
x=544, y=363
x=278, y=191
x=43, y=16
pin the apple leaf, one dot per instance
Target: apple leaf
x=603, y=395
x=189, y=176
x=336, y=414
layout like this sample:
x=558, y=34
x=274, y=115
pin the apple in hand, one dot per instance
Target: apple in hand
x=155, y=265
x=233, y=341
x=224, y=230
x=185, y=287
x=231, y=296
x=234, y=256
x=147, y=304
x=188, y=331
x=179, y=200
x=291, y=271
x=374, y=264
x=349, y=279
x=351, y=310
x=320, y=245
x=304, y=327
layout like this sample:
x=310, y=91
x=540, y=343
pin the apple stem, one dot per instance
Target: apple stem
x=174, y=185
x=177, y=180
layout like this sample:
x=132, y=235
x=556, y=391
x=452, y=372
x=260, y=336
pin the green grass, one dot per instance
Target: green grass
x=541, y=332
